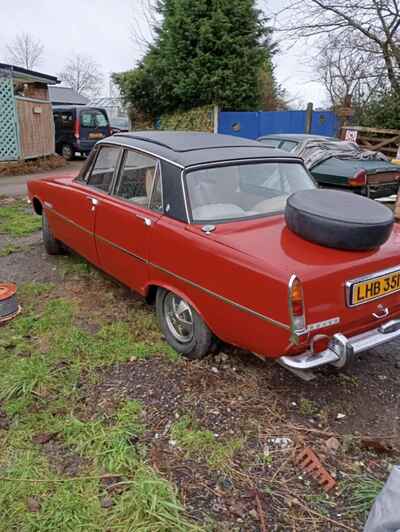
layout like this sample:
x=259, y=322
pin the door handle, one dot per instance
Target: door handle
x=147, y=221
x=93, y=201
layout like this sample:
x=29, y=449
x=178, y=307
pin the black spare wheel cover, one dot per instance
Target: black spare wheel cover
x=337, y=219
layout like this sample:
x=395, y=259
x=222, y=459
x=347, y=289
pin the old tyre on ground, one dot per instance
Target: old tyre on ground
x=181, y=325
x=338, y=219
x=51, y=244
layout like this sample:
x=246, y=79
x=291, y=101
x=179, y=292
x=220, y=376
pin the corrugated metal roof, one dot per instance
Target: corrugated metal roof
x=66, y=95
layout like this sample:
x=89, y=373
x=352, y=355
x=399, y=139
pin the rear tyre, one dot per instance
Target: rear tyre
x=51, y=244
x=67, y=152
x=183, y=328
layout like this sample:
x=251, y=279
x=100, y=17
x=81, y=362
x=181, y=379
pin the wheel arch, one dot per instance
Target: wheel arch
x=151, y=293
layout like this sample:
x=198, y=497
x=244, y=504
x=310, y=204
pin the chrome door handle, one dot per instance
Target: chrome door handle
x=93, y=201
x=147, y=221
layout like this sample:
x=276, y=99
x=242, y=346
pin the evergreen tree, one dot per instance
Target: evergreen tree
x=206, y=52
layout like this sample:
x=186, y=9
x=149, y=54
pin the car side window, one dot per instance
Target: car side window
x=270, y=143
x=67, y=119
x=135, y=183
x=156, y=202
x=103, y=169
x=288, y=145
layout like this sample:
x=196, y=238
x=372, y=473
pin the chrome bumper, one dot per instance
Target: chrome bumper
x=341, y=348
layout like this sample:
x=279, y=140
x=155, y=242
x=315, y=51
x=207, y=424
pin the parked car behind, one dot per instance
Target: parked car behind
x=196, y=223
x=119, y=125
x=341, y=164
x=78, y=128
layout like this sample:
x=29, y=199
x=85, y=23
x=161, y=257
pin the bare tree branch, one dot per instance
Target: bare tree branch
x=25, y=51
x=83, y=75
x=375, y=23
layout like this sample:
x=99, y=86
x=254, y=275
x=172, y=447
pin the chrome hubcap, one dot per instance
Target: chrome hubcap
x=179, y=318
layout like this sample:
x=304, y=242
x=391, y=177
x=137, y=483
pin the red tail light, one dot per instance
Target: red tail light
x=359, y=179
x=296, y=306
x=77, y=132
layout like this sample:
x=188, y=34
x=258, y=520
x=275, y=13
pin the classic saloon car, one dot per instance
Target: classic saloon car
x=340, y=164
x=195, y=223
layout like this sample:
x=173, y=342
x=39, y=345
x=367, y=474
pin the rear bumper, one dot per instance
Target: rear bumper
x=341, y=348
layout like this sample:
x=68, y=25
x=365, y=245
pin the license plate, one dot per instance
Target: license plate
x=96, y=136
x=366, y=290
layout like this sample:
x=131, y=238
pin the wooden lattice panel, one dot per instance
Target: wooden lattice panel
x=9, y=145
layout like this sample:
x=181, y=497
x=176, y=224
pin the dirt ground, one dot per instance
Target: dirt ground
x=350, y=419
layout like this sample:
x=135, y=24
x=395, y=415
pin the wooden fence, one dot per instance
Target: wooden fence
x=36, y=127
x=385, y=140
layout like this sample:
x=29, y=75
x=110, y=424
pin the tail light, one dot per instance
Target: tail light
x=77, y=132
x=359, y=179
x=296, y=306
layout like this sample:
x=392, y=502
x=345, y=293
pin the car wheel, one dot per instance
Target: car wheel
x=67, y=152
x=183, y=328
x=51, y=244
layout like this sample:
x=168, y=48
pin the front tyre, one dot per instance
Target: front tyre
x=183, y=328
x=51, y=244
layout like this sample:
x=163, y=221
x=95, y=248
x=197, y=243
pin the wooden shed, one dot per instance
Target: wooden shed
x=26, y=117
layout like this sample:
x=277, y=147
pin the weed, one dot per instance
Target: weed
x=308, y=407
x=203, y=443
x=361, y=493
x=17, y=219
x=9, y=249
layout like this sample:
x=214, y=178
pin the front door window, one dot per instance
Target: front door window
x=103, y=168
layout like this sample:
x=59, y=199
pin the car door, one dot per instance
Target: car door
x=73, y=203
x=127, y=218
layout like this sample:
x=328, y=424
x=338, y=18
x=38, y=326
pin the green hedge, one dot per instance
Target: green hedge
x=198, y=119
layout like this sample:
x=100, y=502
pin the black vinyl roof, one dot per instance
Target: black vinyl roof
x=187, y=148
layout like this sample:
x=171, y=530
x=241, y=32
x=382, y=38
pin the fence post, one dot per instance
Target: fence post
x=309, y=117
x=216, y=119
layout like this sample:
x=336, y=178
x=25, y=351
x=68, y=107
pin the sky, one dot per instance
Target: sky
x=102, y=30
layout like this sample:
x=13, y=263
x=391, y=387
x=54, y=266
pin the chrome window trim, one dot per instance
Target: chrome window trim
x=349, y=284
x=129, y=146
x=179, y=277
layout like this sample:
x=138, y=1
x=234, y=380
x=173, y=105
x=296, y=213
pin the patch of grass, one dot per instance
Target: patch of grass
x=150, y=504
x=308, y=407
x=361, y=493
x=44, y=356
x=17, y=219
x=111, y=446
x=74, y=265
x=203, y=443
x=9, y=249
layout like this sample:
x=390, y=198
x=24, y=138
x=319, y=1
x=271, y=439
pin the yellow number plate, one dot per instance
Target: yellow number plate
x=96, y=136
x=374, y=288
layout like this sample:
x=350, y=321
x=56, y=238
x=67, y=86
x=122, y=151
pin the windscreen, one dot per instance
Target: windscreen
x=243, y=191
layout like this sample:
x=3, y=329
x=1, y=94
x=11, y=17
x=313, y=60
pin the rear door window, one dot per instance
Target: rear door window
x=271, y=143
x=67, y=119
x=93, y=119
x=136, y=179
x=102, y=173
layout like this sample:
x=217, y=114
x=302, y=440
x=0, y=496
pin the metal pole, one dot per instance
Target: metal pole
x=309, y=117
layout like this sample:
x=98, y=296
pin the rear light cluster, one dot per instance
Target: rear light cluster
x=359, y=179
x=77, y=132
x=296, y=306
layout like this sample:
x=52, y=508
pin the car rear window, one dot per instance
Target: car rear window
x=240, y=191
x=93, y=119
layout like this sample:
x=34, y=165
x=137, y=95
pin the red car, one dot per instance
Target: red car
x=195, y=223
